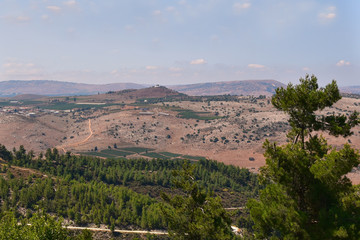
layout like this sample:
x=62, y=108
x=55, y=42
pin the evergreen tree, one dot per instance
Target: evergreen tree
x=308, y=195
x=195, y=215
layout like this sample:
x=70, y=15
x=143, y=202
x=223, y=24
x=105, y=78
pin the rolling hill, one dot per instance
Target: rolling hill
x=350, y=89
x=58, y=88
x=246, y=87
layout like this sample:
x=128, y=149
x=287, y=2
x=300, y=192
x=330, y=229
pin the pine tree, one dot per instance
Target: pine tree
x=308, y=195
x=195, y=215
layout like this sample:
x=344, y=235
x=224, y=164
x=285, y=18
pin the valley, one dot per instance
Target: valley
x=162, y=122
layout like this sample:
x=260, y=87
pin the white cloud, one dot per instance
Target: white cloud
x=328, y=14
x=19, y=69
x=238, y=7
x=129, y=27
x=156, y=13
x=16, y=19
x=255, y=66
x=70, y=3
x=342, y=63
x=71, y=30
x=22, y=19
x=175, y=69
x=306, y=69
x=45, y=17
x=214, y=38
x=332, y=8
x=170, y=9
x=198, y=61
x=151, y=67
x=54, y=8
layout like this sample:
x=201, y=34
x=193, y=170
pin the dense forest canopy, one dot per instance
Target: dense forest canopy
x=120, y=193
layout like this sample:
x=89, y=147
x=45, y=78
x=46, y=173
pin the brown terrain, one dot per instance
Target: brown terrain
x=234, y=132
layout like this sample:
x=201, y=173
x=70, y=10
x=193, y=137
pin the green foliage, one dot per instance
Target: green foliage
x=69, y=106
x=39, y=227
x=92, y=190
x=84, y=235
x=196, y=214
x=4, y=153
x=308, y=195
x=212, y=174
x=303, y=100
x=84, y=203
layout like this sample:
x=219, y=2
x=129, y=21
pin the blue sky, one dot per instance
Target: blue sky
x=180, y=42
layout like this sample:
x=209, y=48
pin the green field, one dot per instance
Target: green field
x=117, y=153
x=69, y=106
x=171, y=155
x=154, y=155
x=136, y=149
x=193, y=157
x=190, y=114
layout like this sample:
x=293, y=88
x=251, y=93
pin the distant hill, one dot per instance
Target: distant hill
x=246, y=87
x=150, y=92
x=58, y=88
x=351, y=89
x=28, y=89
x=27, y=97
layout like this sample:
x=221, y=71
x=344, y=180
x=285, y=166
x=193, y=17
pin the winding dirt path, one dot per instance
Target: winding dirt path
x=81, y=142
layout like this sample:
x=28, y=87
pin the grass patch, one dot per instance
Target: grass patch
x=136, y=149
x=190, y=114
x=117, y=153
x=154, y=155
x=69, y=106
x=31, y=102
x=4, y=104
x=193, y=157
x=171, y=155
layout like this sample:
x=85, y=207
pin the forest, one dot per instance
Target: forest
x=118, y=193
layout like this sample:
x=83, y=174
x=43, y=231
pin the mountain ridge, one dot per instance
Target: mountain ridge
x=266, y=87
x=241, y=87
x=59, y=88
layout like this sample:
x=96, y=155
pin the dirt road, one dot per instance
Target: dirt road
x=81, y=142
x=119, y=230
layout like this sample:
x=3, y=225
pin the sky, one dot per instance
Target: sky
x=179, y=41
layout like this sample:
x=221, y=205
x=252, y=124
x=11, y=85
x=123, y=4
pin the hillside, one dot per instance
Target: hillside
x=58, y=88
x=246, y=87
x=350, y=89
x=108, y=193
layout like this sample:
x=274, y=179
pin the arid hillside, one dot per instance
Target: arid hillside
x=229, y=129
